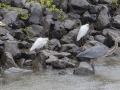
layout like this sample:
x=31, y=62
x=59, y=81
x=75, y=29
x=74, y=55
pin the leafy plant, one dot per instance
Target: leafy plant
x=26, y=28
x=5, y=6
x=115, y=2
x=30, y=36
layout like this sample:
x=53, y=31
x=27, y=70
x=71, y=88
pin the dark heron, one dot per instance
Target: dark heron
x=95, y=52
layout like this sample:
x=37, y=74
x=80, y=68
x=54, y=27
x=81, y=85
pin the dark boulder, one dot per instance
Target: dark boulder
x=116, y=21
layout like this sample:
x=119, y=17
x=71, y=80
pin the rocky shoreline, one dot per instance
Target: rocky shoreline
x=60, y=53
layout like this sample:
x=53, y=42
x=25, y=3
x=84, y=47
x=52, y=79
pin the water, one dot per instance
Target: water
x=107, y=77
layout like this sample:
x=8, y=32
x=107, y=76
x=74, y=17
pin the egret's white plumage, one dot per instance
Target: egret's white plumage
x=83, y=31
x=39, y=43
x=2, y=24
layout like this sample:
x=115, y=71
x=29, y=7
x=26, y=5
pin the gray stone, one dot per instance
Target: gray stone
x=83, y=69
x=20, y=62
x=35, y=30
x=19, y=35
x=53, y=44
x=103, y=18
x=3, y=31
x=100, y=38
x=70, y=37
x=71, y=48
x=10, y=17
x=19, y=3
x=116, y=21
x=6, y=1
x=8, y=60
x=24, y=45
x=62, y=73
x=12, y=47
x=36, y=14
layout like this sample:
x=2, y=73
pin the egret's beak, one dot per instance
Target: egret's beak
x=3, y=24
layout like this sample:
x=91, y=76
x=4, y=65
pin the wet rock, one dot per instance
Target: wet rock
x=116, y=21
x=70, y=37
x=54, y=44
x=14, y=70
x=61, y=64
x=9, y=17
x=62, y=73
x=19, y=3
x=8, y=60
x=12, y=47
x=35, y=30
x=71, y=48
x=100, y=38
x=103, y=18
x=36, y=13
x=83, y=69
x=28, y=62
x=19, y=35
x=20, y=62
x=50, y=59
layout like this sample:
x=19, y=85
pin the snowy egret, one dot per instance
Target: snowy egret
x=39, y=43
x=2, y=24
x=95, y=52
x=83, y=31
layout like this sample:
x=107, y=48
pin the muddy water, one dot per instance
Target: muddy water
x=107, y=77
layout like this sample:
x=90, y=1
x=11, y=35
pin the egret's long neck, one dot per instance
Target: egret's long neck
x=112, y=49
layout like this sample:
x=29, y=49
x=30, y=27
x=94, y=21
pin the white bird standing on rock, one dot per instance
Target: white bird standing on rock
x=2, y=24
x=83, y=31
x=39, y=43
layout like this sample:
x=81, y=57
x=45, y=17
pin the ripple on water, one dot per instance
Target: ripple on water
x=107, y=77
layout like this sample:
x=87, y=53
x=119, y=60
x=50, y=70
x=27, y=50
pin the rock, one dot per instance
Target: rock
x=58, y=31
x=35, y=30
x=94, y=1
x=36, y=13
x=3, y=31
x=70, y=37
x=69, y=24
x=9, y=37
x=103, y=18
x=105, y=1
x=60, y=64
x=54, y=44
x=25, y=53
x=28, y=62
x=79, y=3
x=9, y=17
x=6, y=1
x=24, y=45
x=47, y=24
x=116, y=21
x=117, y=12
x=83, y=69
x=64, y=5
x=50, y=59
x=8, y=60
x=73, y=16
x=20, y=62
x=14, y=70
x=17, y=25
x=19, y=35
x=62, y=73
x=1, y=42
x=19, y=3
x=100, y=38
x=71, y=48
x=12, y=47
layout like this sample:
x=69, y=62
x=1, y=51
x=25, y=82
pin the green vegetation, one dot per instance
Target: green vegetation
x=26, y=28
x=30, y=36
x=115, y=2
x=5, y=6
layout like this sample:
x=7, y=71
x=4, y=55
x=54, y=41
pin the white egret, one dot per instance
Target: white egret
x=2, y=24
x=83, y=31
x=39, y=43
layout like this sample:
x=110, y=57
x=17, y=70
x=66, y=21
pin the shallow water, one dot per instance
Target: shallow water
x=106, y=77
